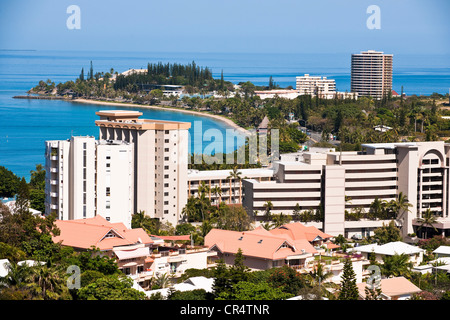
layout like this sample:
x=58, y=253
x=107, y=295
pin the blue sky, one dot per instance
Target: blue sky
x=294, y=26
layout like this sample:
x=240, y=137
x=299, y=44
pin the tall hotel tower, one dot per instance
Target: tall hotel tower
x=371, y=74
x=136, y=165
x=160, y=160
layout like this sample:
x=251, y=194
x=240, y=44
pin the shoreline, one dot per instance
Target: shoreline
x=199, y=113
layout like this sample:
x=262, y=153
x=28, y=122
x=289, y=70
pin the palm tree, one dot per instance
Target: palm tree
x=189, y=210
x=268, y=206
x=400, y=207
x=319, y=273
x=377, y=208
x=162, y=280
x=427, y=219
x=48, y=283
x=280, y=219
x=18, y=275
x=235, y=175
x=217, y=191
x=396, y=265
x=203, y=189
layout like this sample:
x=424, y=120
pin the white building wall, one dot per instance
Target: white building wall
x=82, y=178
x=56, y=178
x=115, y=196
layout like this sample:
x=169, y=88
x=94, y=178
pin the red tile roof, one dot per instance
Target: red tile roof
x=392, y=287
x=299, y=231
x=258, y=243
x=85, y=233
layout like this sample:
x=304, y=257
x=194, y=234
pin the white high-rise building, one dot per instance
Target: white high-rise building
x=160, y=160
x=79, y=183
x=371, y=74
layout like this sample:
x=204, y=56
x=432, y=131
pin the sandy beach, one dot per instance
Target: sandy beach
x=131, y=105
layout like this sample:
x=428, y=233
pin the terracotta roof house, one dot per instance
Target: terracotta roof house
x=261, y=248
x=84, y=233
x=137, y=254
x=299, y=231
x=398, y=288
x=130, y=247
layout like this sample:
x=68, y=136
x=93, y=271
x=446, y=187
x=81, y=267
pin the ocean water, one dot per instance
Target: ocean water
x=26, y=124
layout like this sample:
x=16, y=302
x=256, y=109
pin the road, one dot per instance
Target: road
x=316, y=136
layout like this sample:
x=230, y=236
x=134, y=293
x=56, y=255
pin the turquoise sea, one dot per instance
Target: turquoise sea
x=26, y=124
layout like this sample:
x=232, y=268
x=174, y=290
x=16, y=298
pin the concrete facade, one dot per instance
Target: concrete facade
x=335, y=182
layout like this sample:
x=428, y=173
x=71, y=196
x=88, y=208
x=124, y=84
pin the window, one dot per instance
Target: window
x=108, y=204
x=166, y=211
x=166, y=202
x=108, y=191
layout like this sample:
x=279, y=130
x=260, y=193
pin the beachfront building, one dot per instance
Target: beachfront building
x=316, y=85
x=332, y=183
x=79, y=183
x=221, y=185
x=287, y=94
x=321, y=87
x=160, y=160
x=371, y=74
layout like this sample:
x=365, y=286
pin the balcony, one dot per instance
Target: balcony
x=54, y=194
x=54, y=170
x=54, y=182
x=54, y=206
x=53, y=157
x=142, y=276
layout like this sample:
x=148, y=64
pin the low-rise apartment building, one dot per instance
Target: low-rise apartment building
x=221, y=185
x=315, y=85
